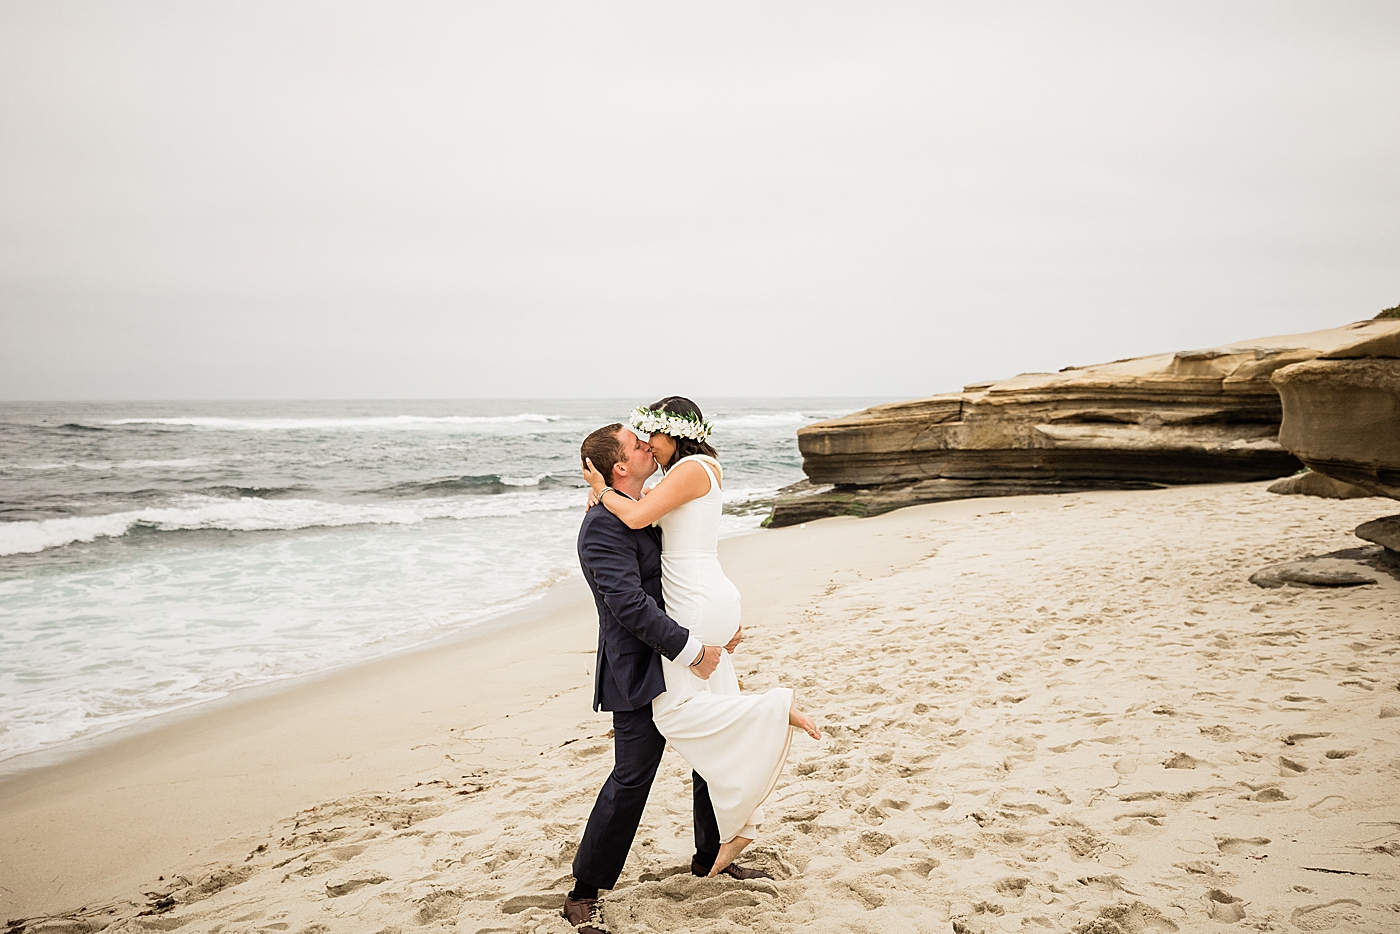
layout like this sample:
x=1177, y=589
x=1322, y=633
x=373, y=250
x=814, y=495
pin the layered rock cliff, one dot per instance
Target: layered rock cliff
x=1341, y=412
x=1192, y=417
x=1341, y=417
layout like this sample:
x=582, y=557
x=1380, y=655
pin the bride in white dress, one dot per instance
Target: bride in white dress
x=737, y=742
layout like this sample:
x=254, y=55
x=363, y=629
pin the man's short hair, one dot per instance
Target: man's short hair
x=604, y=449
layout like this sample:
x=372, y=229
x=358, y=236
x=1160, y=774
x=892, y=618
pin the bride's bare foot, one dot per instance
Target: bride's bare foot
x=803, y=722
x=728, y=853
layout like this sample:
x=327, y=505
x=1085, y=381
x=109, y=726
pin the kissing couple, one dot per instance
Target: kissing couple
x=668, y=621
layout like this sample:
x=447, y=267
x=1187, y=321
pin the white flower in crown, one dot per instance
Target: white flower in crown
x=652, y=421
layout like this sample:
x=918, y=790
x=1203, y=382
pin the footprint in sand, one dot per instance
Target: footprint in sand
x=1269, y=795
x=1293, y=739
x=518, y=903
x=1339, y=914
x=1014, y=886
x=1140, y=822
x=723, y=904
x=1135, y=917
x=441, y=905
x=1198, y=867
x=1222, y=906
x=873, y=842
x=337, y=889
x=1233, y=846
x=1328, y=803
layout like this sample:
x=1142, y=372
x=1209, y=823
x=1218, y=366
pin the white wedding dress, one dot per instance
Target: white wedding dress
x=737, y=742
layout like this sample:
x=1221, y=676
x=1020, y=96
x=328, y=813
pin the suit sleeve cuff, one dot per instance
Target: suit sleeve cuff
x=692, y=651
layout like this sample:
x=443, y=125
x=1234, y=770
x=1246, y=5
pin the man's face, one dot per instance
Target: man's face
x=636, y=455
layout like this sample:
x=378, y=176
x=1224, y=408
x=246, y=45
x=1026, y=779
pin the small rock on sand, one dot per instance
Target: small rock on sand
x=1384, y=532
x=1311, y=572
x=1312, y=483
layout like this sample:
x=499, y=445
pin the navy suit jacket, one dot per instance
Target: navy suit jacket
x=623, y=568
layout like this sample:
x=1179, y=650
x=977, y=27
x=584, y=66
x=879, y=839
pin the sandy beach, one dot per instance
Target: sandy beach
x=1054, y=713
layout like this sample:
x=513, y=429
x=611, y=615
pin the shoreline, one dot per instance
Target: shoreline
x=520, y=611
x=246, y=753
x=1040, y=689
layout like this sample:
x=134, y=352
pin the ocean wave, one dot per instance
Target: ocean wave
x=749, y=496
x=360, y=423
x=536, y=480
x=229, y=491
x=471, y=483
x=105, y=465
x=253, y=514
x=765, y=420
x=142, y=465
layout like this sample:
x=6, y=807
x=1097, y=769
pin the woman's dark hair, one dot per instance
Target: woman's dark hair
x=685, y=447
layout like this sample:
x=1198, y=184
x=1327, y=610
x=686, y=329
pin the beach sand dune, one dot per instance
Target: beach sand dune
x=1059, y=713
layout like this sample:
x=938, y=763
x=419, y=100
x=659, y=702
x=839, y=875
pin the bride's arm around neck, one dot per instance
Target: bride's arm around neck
x=683, y=483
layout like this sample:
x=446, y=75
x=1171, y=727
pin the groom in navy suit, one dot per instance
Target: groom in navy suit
x=623, y=568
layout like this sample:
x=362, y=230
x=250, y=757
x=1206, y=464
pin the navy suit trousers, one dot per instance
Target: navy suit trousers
x=637, y=749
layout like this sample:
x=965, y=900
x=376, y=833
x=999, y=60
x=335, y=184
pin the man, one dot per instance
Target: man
x=623, y=568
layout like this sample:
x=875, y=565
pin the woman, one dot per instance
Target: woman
x=738, y=742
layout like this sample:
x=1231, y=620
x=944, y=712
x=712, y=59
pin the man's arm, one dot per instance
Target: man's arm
x=611, y=556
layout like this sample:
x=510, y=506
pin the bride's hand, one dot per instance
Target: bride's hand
x=592, y=477
x=734, y=643
x=595, y=481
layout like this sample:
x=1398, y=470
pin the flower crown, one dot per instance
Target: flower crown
x=655, y=421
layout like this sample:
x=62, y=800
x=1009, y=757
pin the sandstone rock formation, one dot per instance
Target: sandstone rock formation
x=1341, y=417
x=1341, y=411
x=1384, y=532
x=1339, y=569
x=1312, y=483
x=1350, y=567
x=1192, y=417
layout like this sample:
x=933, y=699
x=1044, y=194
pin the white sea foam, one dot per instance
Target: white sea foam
x=524, y=481
x=250, y=514
x=744, y=495
x=142, y=465
x=765, y=420
x=366, y=423
x=107, y=465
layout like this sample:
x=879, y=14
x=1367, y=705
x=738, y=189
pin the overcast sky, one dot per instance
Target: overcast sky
x=302, y=200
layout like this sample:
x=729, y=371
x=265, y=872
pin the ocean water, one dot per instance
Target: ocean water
x=155, y=556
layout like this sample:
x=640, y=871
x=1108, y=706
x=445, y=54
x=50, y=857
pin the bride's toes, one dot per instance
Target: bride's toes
x=803, y=722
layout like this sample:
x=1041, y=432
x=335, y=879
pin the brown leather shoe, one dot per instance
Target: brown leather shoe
x=733, y=871
x=582, y=913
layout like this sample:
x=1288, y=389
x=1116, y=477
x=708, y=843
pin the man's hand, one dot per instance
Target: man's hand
x=734, y=643
x=709, y=661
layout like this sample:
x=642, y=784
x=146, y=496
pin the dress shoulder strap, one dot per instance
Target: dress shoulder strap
x=707, y=461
